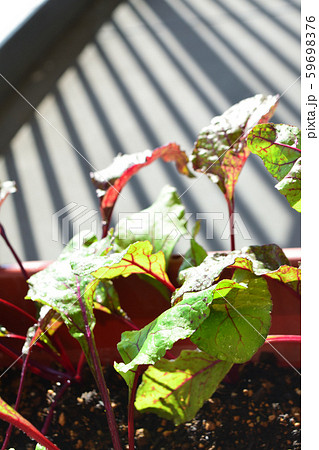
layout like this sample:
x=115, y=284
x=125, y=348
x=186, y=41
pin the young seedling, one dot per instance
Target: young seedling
x=222, y=303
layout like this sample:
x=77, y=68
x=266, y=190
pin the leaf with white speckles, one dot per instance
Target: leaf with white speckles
x=268, y=261
x=59, y=287
x=137, y=258
x=221, y=148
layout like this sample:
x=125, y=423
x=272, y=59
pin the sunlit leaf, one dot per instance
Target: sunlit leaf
x=290, y=186
x=239, y=321
x=110, y=181
x=104, y=297
x=58, y=287
x=136, y=259
x=278, y=145
x=177, y=389
x=195, y=279
x=8, y=414
x=149, y=344
x=49, y=322
x=221, y=149
x=266, y=260
x=285, y=274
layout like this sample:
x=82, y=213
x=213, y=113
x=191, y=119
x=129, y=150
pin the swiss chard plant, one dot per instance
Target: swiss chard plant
x=221, y=302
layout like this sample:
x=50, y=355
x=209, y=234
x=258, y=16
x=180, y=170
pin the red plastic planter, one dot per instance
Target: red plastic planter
x=143, y=303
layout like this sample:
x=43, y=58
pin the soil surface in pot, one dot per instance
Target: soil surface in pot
x=258, y=409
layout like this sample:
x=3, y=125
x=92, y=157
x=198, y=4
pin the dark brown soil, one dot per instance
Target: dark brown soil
x=260, y=410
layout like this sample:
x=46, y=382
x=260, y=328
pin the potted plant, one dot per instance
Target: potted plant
x=173, y=334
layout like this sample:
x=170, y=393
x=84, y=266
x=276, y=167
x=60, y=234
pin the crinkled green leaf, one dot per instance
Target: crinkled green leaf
x=269, y=262
x=58, y=287
x=195, y=279
x=149, y=344
x=177, y=389
x=57, y=283
x=8, y=414
x=136, y=259
x=269, y=256
x=278, y=145
x=285, y=274
x=290, y=186
x=162, y=224
x=62, y=295
x=239, y=321
x=266, y=260
x=221, y=149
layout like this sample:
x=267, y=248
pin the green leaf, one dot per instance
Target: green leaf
x=265, y=257
x=8, y=414
x=285, y=274
x=63, y=297
x=266, y=260
x=177, y=389
x=162, y=224
x=194, y=256
x=86, y=244
x=269, y=262
x=221, y=149
x=149, y=344
x=136, y=259
x=278, y=145
x=195, y=279
x=239, y=321
x=59, y=288
x=290, y=186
